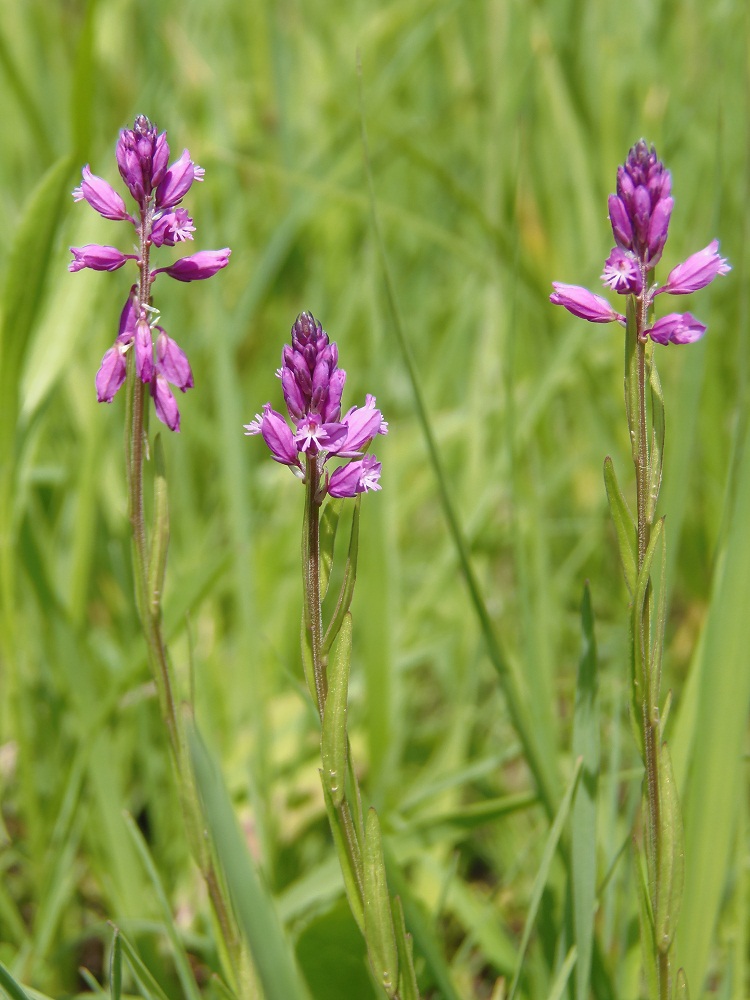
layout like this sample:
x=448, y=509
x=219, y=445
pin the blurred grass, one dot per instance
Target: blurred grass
x=495, y=129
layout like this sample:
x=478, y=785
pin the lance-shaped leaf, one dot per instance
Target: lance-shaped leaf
x=157, y=562
x=583, y=822
x=407, y=981
x=333, y=741
x=347, y=587
x=632, y=349
x=646, y=919
x=115, y=967
x=656, y=454
x=379, y=932
x=641, y=641
x=329, y=523
x=660, y=619
x=353, y=877
x=307, y=659
x=10, y=986
x=670, y=873
x=624, y=524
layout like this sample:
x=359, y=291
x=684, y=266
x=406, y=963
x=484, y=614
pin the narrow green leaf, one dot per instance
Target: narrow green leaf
x=379, y=932
x=623, y=522
x=351, y=880
x=671, y=871
x=115, y=966
x=586, y=746
x=157, y=563
x=646, y=921
x=181, y=961
x=659, y=625
x=561, y=979
x=632, y=348
x=407, y=978
x=256, y=911
x=656, y=453
x=11, y=987
x=329, y=522
x=347, y=587
x=544, y=868
x=307, y=659
x=641, y=642
x=143, y=975
x=333, y=740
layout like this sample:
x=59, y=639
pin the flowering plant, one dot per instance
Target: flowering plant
x=312, y=384
x=640, y=213
x=157, y=188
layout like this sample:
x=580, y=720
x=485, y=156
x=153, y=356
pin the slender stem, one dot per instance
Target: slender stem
x=650, y=695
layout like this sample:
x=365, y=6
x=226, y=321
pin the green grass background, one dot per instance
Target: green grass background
x=495, y=129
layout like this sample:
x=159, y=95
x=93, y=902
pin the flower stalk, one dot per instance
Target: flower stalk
x=640, y=213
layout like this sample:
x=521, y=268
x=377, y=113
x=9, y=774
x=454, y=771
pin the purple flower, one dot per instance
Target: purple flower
x=142, y=155
x=103, y=198
x=172, y=362
x=676, y=328
x=697, y=271
x=312, y=384
x=164, y=402
x=98, y=258
x=583, y=303
x=203, y=264
x=356, y=477
x=622, y=273
x=177, y=181
x=111, y=373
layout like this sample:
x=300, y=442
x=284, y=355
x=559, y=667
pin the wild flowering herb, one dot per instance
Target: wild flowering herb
x=138, y=362
x=157, y=189
x=312, y=384
x=640, y=214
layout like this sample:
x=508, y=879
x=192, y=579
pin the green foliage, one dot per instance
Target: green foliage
x=494, y=130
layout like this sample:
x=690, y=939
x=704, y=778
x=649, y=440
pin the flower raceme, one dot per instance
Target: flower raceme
x=157, y=189
x=312, y=384
x=639, y=213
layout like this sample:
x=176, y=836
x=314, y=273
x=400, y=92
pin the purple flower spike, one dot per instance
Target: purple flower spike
x=583, y=303
x=98, y=258
x=102, y=198
x=172, y=362
x=142, y=155
x=164, y=402
x=203, y=264
x=640, y=213
x=676, y=328
x=111, y=374
x=356, y=477
x=313, y=384
x=697, y=271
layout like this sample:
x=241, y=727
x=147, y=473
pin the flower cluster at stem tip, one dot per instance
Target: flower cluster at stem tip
x=157, y=188
x=312, y=384
x=639, y=213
